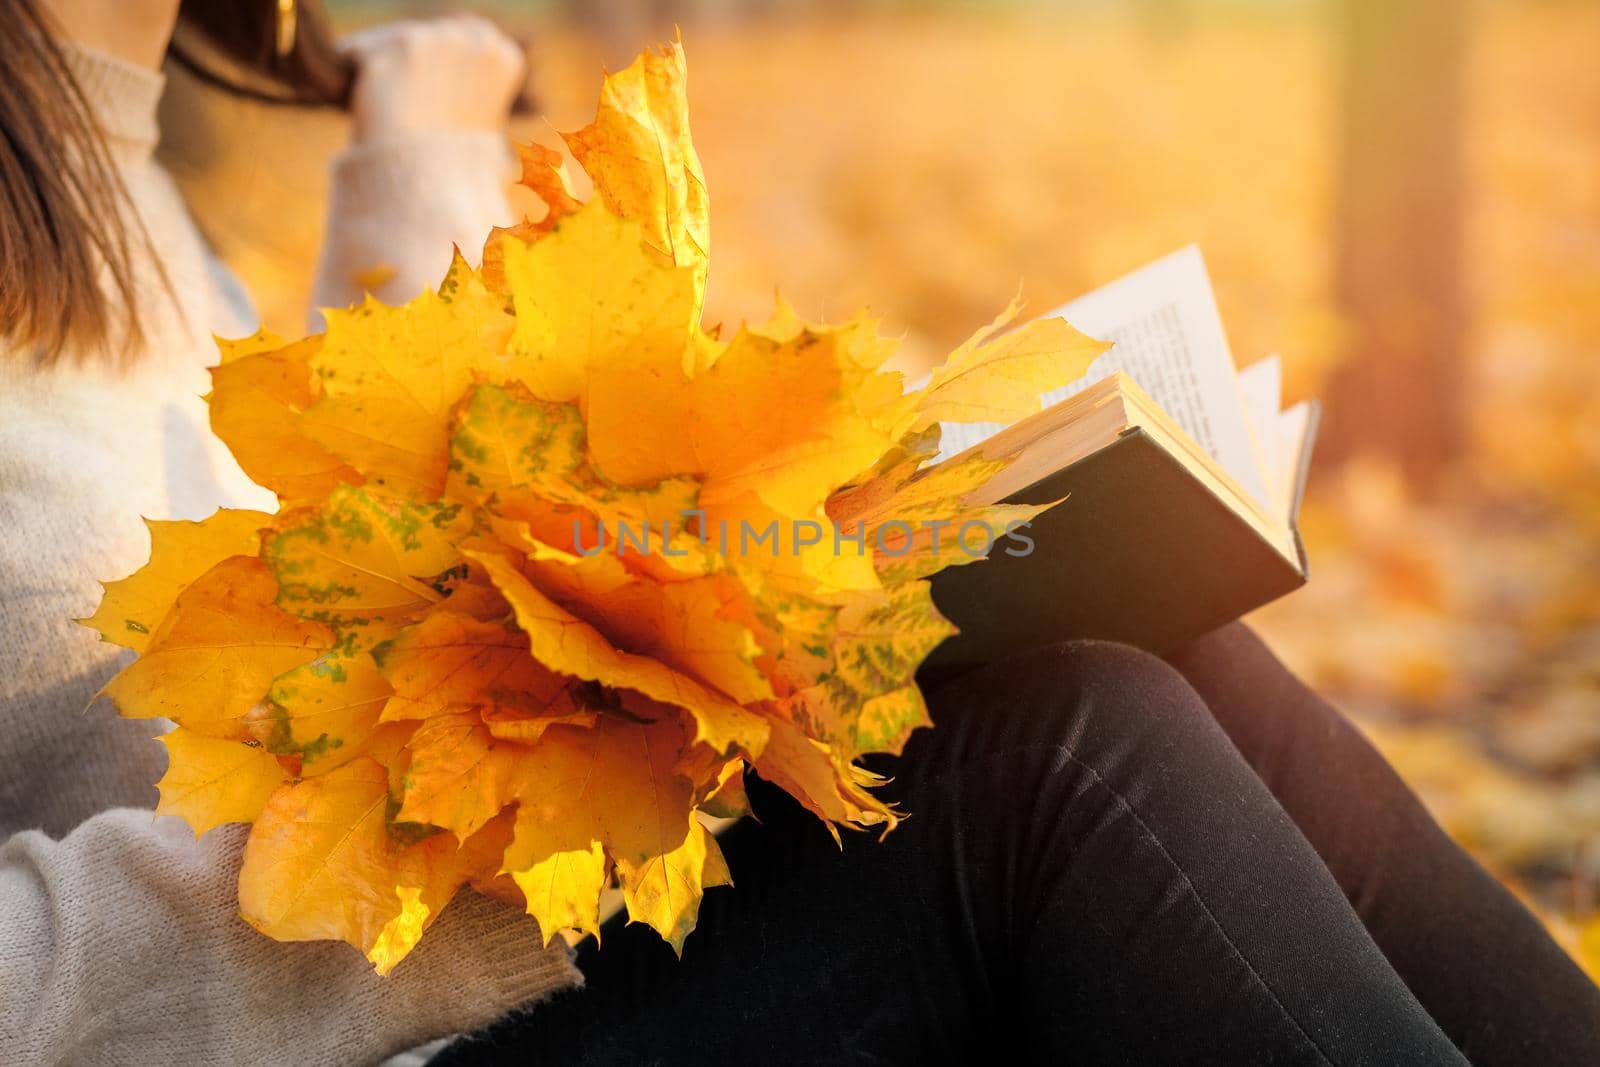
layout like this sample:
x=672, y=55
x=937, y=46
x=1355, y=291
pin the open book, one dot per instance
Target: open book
x=1182, y=477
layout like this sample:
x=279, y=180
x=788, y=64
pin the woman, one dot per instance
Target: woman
x=119, y=937
x=1111, y=858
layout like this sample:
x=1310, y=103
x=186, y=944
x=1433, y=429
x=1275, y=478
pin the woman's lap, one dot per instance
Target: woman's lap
x=1091, y=869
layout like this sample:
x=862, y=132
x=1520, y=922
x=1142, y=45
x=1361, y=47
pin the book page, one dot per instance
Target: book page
x=957, y=437
x=1169, y=339
x=1296, y=430
x=1261, y=393
x=1163, y=319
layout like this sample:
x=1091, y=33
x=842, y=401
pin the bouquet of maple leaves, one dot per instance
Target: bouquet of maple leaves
x=419, y=675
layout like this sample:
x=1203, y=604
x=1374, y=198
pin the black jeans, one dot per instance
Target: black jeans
x=1110, y=859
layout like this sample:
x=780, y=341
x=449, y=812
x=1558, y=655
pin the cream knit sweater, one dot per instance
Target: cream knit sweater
x=120, y=941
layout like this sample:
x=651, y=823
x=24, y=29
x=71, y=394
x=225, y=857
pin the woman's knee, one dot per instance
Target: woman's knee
x=1084, y=696
x=1088, y=751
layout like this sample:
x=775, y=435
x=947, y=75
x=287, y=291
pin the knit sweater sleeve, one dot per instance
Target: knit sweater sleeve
x=396, y=207
x=121, y=944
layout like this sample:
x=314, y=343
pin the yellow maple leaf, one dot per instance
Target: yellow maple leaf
x=780, y=419
x=321, y=863
x=968, y=535
x=1000, y=378
x=210, y=781
x=643, y=163
x=460, y=775
x=920, y=519
x=690, y=624
x=391, y=375
x=789, y=558
x=180, y=552
x=217, y=652
x=664, y=891
x=869, y=701
x=618, y=777
x=505, y=438
x=782, y=422
x=510, y=444
x=323, y=712
x=544, y=175
x=616, y=784
x=400, y=934
x=725, y=798
x=451, y=663
x=901, y=485
x=562, y=890
x=568, y=645
x=258, y=393
x=631, y=305
x=360, y=559
x=809, y=771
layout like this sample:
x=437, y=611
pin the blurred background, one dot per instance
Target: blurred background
x=1401, y=198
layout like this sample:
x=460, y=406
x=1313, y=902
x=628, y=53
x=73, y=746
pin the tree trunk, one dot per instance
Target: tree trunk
x=1400, y=392
x=1165, y=20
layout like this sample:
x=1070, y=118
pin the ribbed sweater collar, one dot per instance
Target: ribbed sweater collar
x=122, y=97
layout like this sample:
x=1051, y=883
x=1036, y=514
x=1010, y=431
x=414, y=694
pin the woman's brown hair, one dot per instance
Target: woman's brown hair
x=66, y=262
